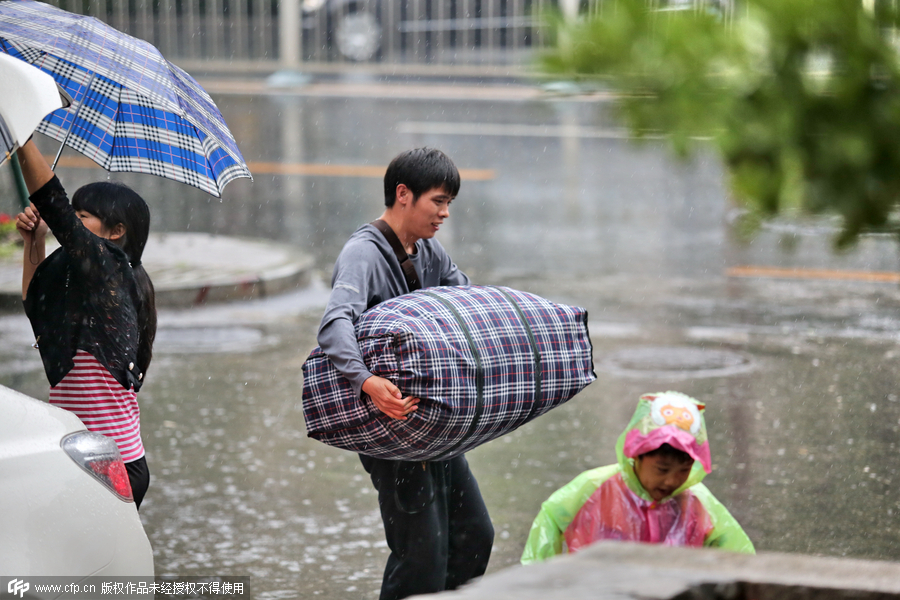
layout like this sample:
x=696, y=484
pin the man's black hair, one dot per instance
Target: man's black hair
x=420, y=170
x=668, y=451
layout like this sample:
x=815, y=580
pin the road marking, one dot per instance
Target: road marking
x=786, y=273
x=322, y=170
x=329, y=170
x=517, y=130
x=509, y=93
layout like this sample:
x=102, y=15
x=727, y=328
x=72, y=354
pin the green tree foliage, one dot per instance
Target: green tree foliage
x=800, y=97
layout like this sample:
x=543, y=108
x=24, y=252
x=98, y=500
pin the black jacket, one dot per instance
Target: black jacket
x=82, y=297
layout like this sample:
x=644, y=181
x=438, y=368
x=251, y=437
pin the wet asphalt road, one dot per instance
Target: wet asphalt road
x=798, y=374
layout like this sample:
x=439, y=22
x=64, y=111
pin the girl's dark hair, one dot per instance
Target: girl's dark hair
x=114, y=203
x=670, y=452
x=420, y=170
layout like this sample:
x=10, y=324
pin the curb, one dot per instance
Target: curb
x=191, y=269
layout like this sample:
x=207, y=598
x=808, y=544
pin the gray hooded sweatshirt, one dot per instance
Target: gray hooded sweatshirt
x=367, y=273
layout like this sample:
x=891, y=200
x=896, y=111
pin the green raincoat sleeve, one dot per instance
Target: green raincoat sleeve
x=727, y=533
x=547, y=532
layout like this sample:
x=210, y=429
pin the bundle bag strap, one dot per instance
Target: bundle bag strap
x=409, y=271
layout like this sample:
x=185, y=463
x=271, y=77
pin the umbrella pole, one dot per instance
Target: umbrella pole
x=21, y=188
x=72, y=124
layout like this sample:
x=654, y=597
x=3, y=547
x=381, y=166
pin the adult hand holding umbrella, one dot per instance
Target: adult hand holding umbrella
x=134, y=110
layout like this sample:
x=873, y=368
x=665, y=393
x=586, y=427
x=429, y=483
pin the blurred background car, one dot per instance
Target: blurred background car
x=448, y=31
x=65, y=507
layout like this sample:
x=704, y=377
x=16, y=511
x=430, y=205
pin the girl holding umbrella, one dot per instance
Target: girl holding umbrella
x=91, y=303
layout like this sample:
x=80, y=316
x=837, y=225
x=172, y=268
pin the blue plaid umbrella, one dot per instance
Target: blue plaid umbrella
x=134, y=110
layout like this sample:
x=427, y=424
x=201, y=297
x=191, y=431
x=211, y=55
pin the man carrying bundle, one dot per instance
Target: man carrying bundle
x=435, y=520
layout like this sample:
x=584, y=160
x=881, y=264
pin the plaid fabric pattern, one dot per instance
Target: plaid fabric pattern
x=141, y=113
x=468, y=353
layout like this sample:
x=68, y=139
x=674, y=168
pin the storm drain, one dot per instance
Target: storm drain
x=675, y=362
x=199, y=340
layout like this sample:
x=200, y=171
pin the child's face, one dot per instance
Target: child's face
x=661, y=475
x=93, y=223
x=96, y=226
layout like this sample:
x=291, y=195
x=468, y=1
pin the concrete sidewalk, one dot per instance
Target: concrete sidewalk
x=634, y=571
x=188, y=269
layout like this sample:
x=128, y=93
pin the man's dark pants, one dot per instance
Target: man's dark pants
x=436, y=524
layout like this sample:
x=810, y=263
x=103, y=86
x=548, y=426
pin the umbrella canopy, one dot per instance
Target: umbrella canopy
x=134, y=110
x=20, y=113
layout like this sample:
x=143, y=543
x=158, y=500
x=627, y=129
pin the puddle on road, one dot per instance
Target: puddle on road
x=803, y=432
x=801, y=449
x=802, y=444
x=198, y=340
x=675, y=363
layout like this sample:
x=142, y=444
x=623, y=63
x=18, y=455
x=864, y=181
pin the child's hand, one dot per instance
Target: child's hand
x=30, y=225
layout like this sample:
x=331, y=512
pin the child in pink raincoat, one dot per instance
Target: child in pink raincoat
x=652, y=495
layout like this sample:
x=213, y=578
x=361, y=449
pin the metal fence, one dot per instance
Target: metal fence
x=192, y=29
x=394, y=32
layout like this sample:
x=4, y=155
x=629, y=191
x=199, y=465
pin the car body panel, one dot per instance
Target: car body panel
x=55, y=519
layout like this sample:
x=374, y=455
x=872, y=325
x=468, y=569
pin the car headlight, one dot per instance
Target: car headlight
x=312, y=5
x=99, y=456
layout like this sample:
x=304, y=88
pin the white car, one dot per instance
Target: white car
x=65, y=501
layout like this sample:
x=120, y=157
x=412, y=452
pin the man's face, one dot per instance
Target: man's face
x=428, y=213
x=661, y=475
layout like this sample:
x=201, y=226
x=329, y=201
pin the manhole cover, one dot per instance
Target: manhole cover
x=675, y=362
x=208, y=339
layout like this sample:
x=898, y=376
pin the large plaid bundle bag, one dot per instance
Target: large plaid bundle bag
x=482, y=360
